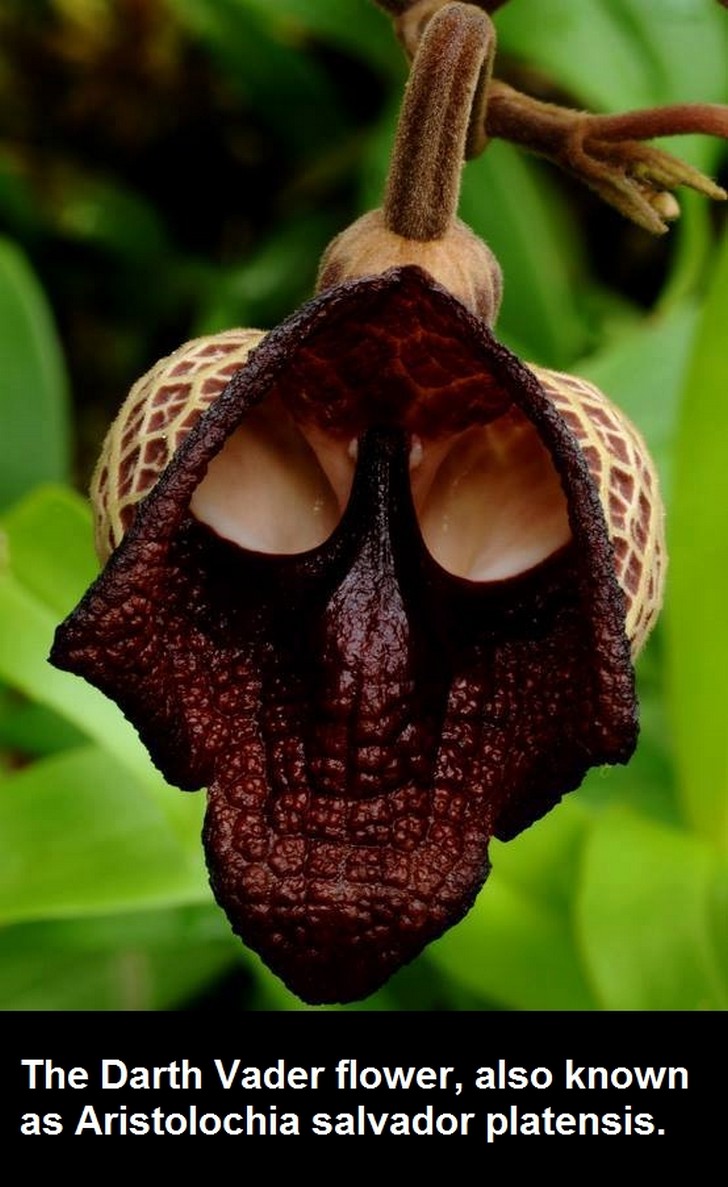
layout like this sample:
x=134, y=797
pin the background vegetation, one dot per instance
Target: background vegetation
x=173, y=167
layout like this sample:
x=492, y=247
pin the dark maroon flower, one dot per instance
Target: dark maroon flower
x=364, y=719
x=382, y=598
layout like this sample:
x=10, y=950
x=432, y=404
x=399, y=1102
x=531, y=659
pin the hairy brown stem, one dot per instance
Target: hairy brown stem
x=680, y=119
x=452, y=108
x=542, y=126
x=606, y=151
x=442, y=122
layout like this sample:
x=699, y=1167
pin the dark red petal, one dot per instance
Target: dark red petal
x=364, y=720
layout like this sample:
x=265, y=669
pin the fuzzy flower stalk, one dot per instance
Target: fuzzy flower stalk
x=605, y=152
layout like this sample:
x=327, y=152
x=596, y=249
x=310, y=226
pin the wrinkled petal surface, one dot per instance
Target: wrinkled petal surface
x=364, y=718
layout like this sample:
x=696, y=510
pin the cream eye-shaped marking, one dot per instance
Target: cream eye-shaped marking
x=490, y=503
x=271, y=489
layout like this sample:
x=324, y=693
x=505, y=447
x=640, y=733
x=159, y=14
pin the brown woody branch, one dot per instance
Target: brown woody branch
x=605, y=151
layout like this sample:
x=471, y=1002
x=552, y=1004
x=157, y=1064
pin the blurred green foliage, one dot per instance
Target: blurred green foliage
x=172, y=167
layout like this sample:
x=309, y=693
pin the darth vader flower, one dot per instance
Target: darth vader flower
x=381, y=594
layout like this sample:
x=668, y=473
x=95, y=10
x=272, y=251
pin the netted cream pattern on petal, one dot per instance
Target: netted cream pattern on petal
x=165, y=403
x=628, y=487
x=156, y=416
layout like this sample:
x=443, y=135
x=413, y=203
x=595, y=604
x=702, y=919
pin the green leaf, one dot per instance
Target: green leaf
x=355, y=27
x=18, y=204
x=151, y=960
x=111, y=217
x=692, y=252
x=376, y=156
x=718, y=916
x=645, y=917
x=79, y=835
x=516, y=946
x=26, y=633
x=34, y=443
x=29, y=730
x=508, y=200
x=698, y=584
x=684, y=48
x=648, y=783
x=288, y=90
x=543, y=861
x=279, y=275
x=517, y=951
x=49, y=546
x=614, y=55
x=584, y=47
x=643, y=371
